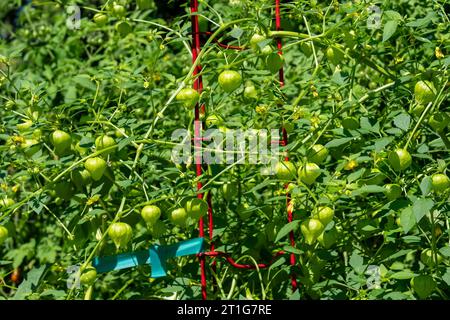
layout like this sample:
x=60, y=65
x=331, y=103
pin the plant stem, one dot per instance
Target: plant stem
x=422, y=116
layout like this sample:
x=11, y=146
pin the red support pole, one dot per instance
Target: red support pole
x=285, y=142
x=198, y=85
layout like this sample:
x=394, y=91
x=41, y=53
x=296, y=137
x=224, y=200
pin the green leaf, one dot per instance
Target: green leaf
x=389, y=29
x=91, y=214
x=425, y=185
x=403, y=275
x=295, y=295
x=97, y=189
x=368, y=189
x=291, y=249
x=124, y=183
x=356, y=262
x=392, y=15
x=55, y=294
x=37, y=204
x=411, y=239
x=421, y=207
x=86, y=142
x=260, y=186
x=28, y=286
x=420, y=23
x=280, y=261
x=395, y=296
x=446, y=277
x=236, y=32
x=445, y=251
x=286, y=229
x=70, y=94
x=370, y=125
x=402, y=121
x=381, y=143
x=84, y=80
x=338, y=142
x=337, y=78
x=407, y=220
x=124, y=142
x=398, y=254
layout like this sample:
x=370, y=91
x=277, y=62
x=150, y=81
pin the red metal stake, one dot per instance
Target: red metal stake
x=285, y=142
x=198, y=85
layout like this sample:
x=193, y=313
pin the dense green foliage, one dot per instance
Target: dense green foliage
x=86, y=118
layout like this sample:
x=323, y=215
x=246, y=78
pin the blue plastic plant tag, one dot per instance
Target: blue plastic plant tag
x=160, y=254
x=157, y=256
x=158, y=261
x=121, y=261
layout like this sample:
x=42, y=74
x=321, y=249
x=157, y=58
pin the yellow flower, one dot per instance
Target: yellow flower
x=93, y=199
x=261, y=109
x=438, y=53
x=351, y=165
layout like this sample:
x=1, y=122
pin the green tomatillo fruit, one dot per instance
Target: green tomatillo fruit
x=179, y=217
x=440, y=182
x=121, y=233
x=317, y=154
x=229, y=190
x=311, y=230
x=150, y=214
x=96, y=167
x=350, y=123
x=250, y=91
x=189, y=97
x=334, y=55
x=104, y=142
x=88, y=276
x=306, y=48
x=309, y=173
x=124, y=28
x=392, y=191
x=6, y=202
x=400, y=159
x=274, y=62
x=80, y=178
x=213, y=120
x=3, y=234
x=324, y=215
x=285, y=170
x=266, y=50
x=119, y=10
x=100, y=19
x=427, y=257
x=61, y=141
x=255, y=40
x=328, y=238
x=439, y=121
x=424, y=92
x=196, y=208
x=230, y=80
x=244, y=211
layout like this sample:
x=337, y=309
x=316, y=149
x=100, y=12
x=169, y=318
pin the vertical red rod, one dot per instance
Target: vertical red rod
x=285, y=142
x=198, y=85
x=211, y=230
